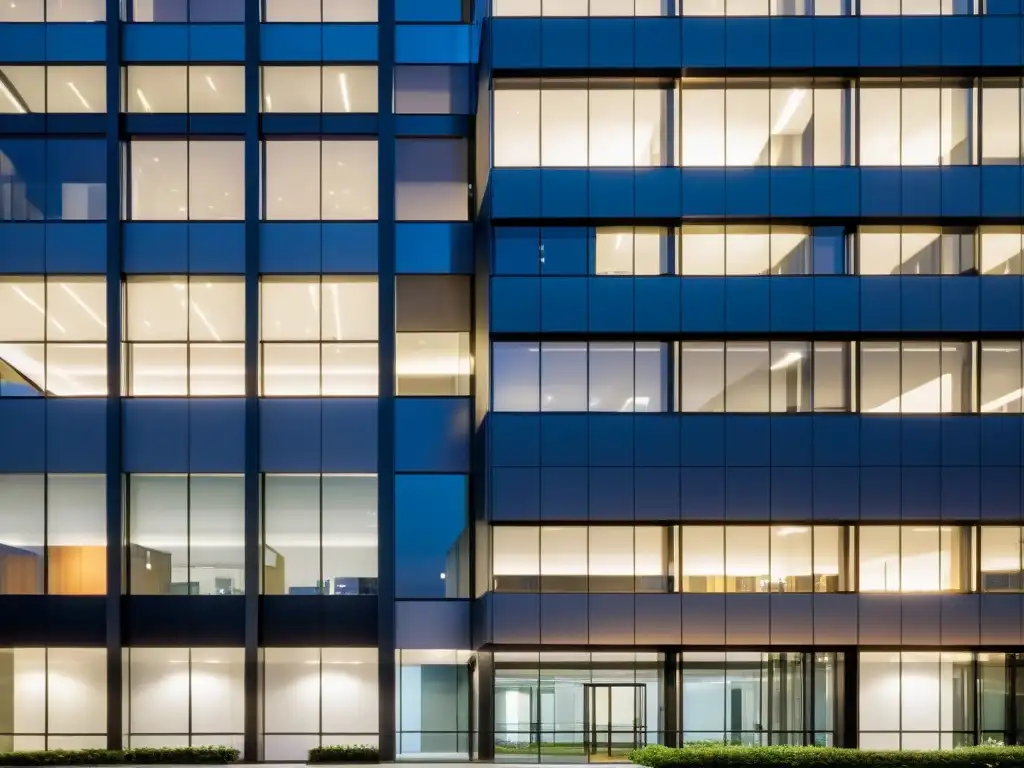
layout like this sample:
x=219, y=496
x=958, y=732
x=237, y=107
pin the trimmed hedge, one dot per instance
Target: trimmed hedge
x=352, y=754
x=147, y=756
x=724, y=756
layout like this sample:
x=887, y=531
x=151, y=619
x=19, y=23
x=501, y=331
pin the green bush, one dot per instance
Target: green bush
x=720, y=756
x=356, y=754
x=149, y=756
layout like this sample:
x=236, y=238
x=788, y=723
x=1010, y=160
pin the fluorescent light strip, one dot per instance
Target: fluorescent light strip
x=38, y=306
x=78, y=93
x=10, y=97
x=337, y=311
x=142, y=98
x=209, y=82
x=78, y=300
x=343, y=82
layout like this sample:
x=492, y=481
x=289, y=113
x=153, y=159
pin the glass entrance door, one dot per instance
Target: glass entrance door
x=614, y=719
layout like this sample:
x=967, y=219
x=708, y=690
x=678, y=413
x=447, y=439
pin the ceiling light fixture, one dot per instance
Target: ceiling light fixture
x=78, y=93
x=143, y=99
x=209, y=82
x=78, y=300
x=343, y=82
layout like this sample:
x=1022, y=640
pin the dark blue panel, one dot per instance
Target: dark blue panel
x=961, y=190
x=920, y=303
x=611, y=193
x=1000, y=41
x=290, y=435
x=22, y=247
x=658, y=43
x=656, y=304
x=657, y=192
x=746, y=42
x=417, y=125
x=792, y=41
x=515, y=43
x=836, y=493
x=563, y=303
x=350, y=247
x=563, y=439
x=414, y=43
x=881, y=191
x=792, y=438
x=960, y=309
x=517, y=251
x=880, y=440
x=792, y=304
x=23, y=124
x=611, y=43
x=77, y=43
x=290, y=42
x=515, y=494
x=836, y=42
x=23, y=42
x=438, y=10
x=290, y=247
x=880, y=41
x=514, y=439
x=703, y=440
x=216, y=247
x=747, y=493
x=611, y=304
x=792, y=493
x=216, y=42
x=611, y=440
x=350, y=433
x=703, y=304
x=350, y=42
x=657, y=439
x=703, y=191
x=703, y=42
x=436, y=248
x=922, y=191
x=837, y=440
x=702, y=495
x=1000, y=493
x=76, y=435
x=1000, y=440
x=881, y=493
x=217, y=125
x=1001, y=190
x=748, y=440
x=657, y=493
x=747, y=191
x=921, y=492
x=921, y=438
x=76, y=247
x=961, y=40
x=216, y=435
x=431, y=515
x=515, y=193
x=837, y=192
x=563, y=493
x=611, y=493
x=1003, y=7
x=961, y=493
x=292, y=125
x=564, y=251
x=792, y=190
x=746, y=304
x=563, y=193
x=515, y=304
x=921, y=39
x=564, y=43
x=880, y=303
x=431, y=434
x=156, y=125
x=155, y=42
x=1000, y=304
x=961, y=440
x=155, y=433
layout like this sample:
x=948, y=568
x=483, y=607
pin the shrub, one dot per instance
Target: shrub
x=354, y=754
x=149, y=756
x=983, y=756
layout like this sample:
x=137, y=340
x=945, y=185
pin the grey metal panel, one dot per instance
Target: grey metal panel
x=960, y=620
x=703, y=618
x=792, y=619
x=432, y=624
x=835, y=619
x=658, y=619
x=563, y=619
x=515, y=619
x=879, y=619
x=921, y=618
x=1000, y=619
x=612, y=619
x=747, y=619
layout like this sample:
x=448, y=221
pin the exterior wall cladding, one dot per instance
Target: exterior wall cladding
x=668, y=384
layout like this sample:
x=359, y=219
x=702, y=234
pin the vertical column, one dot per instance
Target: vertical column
x=846, y=700
x=386, y=384
x=670, y=706
x=115, y=518
x=253, y=555
x=485, y=698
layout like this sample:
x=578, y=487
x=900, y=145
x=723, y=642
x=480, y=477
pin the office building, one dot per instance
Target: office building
x=524, y=381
